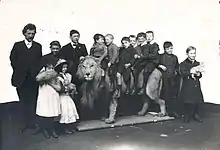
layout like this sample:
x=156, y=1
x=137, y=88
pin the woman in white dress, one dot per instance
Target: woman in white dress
x=69, y=114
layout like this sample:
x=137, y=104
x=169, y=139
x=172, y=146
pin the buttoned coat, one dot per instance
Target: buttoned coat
x=191, y=89
x=25, y=61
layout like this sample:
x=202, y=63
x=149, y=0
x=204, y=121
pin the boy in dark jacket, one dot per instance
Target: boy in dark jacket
x=168, y=63
x=191, y=94
x=126, y=59
x=149, y=58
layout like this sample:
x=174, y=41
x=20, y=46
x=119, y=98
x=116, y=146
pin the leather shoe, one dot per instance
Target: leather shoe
x=141, y=92
x=132, y=92
x=66, y=131
x=186, y=119
x=46, y=134
x=28, y=127
x=54, y=134
x=197, y=118
x=127, y=92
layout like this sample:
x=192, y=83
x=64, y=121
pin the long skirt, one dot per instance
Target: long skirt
x=48, y=102
x=69, y=112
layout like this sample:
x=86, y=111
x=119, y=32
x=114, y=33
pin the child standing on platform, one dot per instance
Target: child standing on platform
x=48, y=102
x=169, y=64
x=69, y=114
x=191, y=93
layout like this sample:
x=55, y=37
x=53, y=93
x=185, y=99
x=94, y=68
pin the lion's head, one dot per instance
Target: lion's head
x=89, y=69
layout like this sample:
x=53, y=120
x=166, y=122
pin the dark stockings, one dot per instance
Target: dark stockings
x=191, y=112
x=146, y=76
x=47, y=125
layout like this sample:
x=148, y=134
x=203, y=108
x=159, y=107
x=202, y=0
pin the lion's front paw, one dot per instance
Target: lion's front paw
x=110, y=120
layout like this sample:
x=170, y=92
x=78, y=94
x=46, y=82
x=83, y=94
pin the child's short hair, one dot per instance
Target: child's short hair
x=132, y=36
x=141, y=34
x=57, y=43
x=97, y=37
x=150, y=32
x=110, y=35
x=189, y=49
x=167, y=44
x=125, y=39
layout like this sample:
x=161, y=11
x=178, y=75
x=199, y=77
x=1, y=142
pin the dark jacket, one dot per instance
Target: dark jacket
x=113, y=52
x=170, y=61
x=49, y=59
x=149, y=59
x=150, y=52
x=191, y=89
x=125, y=56
x=99, y=50
x=72, y=55
x=138, y=50
x=25, y=61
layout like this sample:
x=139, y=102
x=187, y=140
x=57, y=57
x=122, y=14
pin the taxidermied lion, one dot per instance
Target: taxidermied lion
x=89, y=70
x=93, y=89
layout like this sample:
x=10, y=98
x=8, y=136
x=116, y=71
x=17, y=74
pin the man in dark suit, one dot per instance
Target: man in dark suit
x=25, y=58
x=72, y=53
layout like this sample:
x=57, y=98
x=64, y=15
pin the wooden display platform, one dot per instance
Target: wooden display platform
x=121, y=121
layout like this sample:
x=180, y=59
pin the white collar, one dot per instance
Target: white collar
x=73, y=45
x=135, y=45
x=28, y=44
x=152, y=42
x=145, y=42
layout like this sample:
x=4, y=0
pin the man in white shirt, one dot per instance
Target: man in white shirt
x=25, y=61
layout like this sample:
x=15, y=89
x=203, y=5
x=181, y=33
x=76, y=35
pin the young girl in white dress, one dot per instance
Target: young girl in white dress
x=48, y=102
x=69, y=114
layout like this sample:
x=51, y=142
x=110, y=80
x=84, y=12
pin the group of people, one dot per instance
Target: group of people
x=48, y=87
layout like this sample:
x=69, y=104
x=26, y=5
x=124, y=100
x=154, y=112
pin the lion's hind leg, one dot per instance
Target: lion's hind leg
x=162, y=105
x=146, y=101
x=112, y=111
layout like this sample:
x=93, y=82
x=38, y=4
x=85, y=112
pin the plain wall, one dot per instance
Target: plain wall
x=184, y=22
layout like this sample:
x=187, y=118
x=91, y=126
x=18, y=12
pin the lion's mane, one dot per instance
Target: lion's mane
x=89, y=89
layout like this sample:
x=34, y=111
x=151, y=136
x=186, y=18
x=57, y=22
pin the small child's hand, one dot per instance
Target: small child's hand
x=198, y=73
x=66, y=82
x=193, y=76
